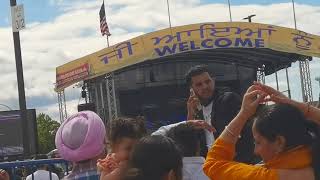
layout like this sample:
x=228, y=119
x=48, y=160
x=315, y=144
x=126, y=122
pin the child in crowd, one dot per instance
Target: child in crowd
x=123, y=134
x=186, y=137
x=154, y=158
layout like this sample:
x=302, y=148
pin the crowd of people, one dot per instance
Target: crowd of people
x=31, y=172
x=225, y=137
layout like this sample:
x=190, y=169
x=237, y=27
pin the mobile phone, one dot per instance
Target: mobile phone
x=192, y=93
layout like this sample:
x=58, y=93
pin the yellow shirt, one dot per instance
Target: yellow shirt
x=219, y=164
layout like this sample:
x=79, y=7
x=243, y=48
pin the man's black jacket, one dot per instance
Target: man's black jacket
x=225, y=107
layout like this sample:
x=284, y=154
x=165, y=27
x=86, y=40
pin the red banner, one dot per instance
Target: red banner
x=73, y=76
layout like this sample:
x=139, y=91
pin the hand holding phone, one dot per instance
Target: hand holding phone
x=193, y=104
x=198, y=104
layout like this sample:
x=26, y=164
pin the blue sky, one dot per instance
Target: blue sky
x=46, y=10
x=242, y=2
x=35, y=10
x=59, y=31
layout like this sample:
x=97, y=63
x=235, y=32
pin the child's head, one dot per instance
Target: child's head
x=156, y=158
x=187, y=139
x=123, y=133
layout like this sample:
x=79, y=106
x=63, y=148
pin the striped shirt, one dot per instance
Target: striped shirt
x=84, y=171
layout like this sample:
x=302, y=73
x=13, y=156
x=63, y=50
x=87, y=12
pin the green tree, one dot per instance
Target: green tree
x=47, y=128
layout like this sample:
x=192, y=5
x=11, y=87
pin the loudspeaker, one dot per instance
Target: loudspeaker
x=86, y=107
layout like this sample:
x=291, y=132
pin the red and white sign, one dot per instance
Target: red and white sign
x=72, y=76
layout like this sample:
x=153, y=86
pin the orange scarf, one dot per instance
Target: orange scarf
x=299, y=157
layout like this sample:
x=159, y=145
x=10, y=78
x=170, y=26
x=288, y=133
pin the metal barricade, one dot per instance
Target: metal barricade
x=32, y=165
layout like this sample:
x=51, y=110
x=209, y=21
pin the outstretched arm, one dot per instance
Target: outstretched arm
x=219, y=162
x=198, y=124
x=311, y=112
x=250, y=103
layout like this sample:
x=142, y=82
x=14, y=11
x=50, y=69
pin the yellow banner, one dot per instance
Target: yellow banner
x=195, y=37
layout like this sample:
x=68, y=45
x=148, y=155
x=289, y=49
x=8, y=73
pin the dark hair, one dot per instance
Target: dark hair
x=187, y=139
x=152, y=158
x=126, y=127
x=39, y=157
x=289, y=122
x=196, y=70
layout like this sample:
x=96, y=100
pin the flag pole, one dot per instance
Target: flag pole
x=106, y=20
x=169, y=16
x=230, y=10
x=108, y=41
x=294, y=15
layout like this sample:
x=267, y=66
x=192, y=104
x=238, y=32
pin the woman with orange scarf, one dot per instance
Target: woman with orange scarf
x=284, y=139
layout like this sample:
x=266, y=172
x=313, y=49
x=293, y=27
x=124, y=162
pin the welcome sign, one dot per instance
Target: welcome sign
x=195, y=37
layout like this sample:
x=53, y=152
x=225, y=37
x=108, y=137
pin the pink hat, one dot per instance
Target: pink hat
x=81, y=137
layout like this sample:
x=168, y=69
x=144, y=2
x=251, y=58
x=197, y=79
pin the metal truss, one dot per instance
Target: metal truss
x=111, y=97
x=305, y=78
x=62, y=106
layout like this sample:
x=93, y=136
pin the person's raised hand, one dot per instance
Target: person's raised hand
x=201, y=124
x=274, y=95
x=192, y=105
x=109, y=163
x=251, y=100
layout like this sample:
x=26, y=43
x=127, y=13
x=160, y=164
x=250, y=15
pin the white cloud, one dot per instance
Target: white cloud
x=75, y=33
x=54, y=113
x=294, y=79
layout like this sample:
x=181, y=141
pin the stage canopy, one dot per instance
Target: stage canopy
x=226, y=40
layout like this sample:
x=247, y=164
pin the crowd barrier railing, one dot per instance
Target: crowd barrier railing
x=17, y=167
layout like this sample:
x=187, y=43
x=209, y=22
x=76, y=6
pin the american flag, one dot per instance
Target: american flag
x=103, y=23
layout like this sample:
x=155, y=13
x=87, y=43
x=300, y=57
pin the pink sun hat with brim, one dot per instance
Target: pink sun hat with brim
x=81, y=137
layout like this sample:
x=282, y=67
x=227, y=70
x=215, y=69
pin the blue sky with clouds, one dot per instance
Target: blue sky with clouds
x=242, y=2
x=44, y=10
x=59, y=31
x=35, y=10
